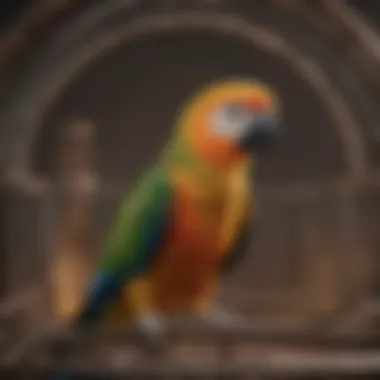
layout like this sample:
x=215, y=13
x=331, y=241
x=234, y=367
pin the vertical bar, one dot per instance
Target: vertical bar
x=3, y=240
x=350, y=249
x=76, y=187
x=316, y=232
x=48, y=215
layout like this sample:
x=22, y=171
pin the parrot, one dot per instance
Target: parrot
x=186, y=221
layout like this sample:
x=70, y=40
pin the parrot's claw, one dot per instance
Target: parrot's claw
x=221, y=319
x=151, y=327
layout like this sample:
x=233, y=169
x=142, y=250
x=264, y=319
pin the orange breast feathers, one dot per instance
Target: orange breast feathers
x=190, y=259
x=204, y=224
x=207, y=220
x=194, y=228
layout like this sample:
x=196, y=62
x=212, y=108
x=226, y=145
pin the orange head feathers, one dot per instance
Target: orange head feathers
x=229, y=119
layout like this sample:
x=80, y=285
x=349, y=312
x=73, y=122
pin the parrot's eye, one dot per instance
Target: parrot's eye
x=231, y=120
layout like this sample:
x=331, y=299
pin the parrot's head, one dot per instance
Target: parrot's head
x=231, y=119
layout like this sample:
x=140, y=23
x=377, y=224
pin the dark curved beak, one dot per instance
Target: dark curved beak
x=262, y=134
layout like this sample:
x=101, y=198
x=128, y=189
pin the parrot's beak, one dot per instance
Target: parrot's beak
x=261, y=134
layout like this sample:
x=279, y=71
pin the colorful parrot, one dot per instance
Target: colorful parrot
x=186, y=220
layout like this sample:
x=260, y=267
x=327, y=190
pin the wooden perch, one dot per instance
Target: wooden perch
x=274, y=362
x=290, y=349
x=251, y=331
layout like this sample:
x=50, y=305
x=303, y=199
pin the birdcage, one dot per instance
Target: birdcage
x=90, y=106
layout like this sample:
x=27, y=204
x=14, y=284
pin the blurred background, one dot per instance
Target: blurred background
x=89, y=91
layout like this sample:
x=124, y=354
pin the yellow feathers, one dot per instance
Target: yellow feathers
x=195, y=120
x=221, y=91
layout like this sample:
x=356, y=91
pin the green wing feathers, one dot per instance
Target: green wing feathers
x=132, y=244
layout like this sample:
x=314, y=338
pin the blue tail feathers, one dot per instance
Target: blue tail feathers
x=103, y=291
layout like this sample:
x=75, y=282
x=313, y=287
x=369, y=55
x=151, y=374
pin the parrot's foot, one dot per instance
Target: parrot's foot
x=151, y=329
x=221, y=319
